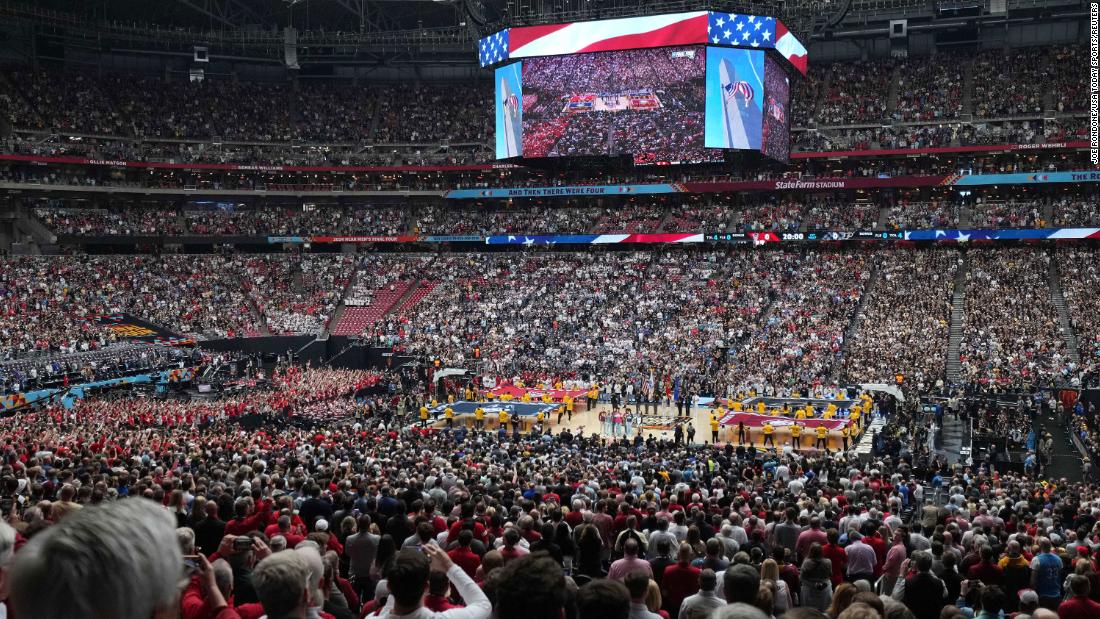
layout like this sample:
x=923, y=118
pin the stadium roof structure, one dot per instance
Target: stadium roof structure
x=445, y=31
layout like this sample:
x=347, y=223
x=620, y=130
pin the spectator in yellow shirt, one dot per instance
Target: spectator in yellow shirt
x=822, y=437
x=768, y=430
x=796, y=436
x=479, y=418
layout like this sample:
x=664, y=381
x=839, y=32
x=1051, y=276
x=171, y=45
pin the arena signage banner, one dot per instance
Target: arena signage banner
x=363, y=239
x=984, y=148
x=552, y=192
x=809, y=184
x=532, y=240
x=1027, y=178
x=1013, y=234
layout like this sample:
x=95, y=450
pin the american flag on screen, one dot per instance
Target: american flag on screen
x=493, y=48
x=741, y=30
x=609, y=34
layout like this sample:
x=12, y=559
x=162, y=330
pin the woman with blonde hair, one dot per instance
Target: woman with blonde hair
x=769, y=571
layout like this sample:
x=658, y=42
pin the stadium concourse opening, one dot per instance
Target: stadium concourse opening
x=488, y=310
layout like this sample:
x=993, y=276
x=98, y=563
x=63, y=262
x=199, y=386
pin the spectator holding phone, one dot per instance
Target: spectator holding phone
x=408, y=581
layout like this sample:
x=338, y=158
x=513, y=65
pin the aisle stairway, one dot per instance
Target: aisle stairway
x=958, y=314
x=856, y=320
x=424, y=289
x=1065, y=460
x=954, y=438
x=892, y=93
x=1065, y=324
x=968, y=90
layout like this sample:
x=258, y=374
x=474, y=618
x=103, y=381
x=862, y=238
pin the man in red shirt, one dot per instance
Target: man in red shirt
x=834, y=553
x=248, y=519
x=878, y=544
x=1079, y=606
x=463, y=556
x=680, y=581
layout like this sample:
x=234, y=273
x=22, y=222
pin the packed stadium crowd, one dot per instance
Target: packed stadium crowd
x=1011, y=330
x=349, y=515
x=721, y=213
x=234, y=220
x=906, y=315
x=929, y=91
x=307, y=491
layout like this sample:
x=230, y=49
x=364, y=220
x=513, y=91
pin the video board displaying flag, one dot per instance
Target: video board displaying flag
x=509, y=111
x=673, y=29
x=735, y=98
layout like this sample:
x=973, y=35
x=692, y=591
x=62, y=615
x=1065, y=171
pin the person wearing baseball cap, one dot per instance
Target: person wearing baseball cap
x=1029, y=601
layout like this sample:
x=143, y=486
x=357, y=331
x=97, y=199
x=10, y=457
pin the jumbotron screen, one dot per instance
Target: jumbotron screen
x=647, y=103
x=680, y=104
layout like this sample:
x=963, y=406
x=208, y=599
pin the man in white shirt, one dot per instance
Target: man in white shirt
x=700, y=605
x=408, y=580
x=637, y=583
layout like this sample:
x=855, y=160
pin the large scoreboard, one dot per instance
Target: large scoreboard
x=676, y=88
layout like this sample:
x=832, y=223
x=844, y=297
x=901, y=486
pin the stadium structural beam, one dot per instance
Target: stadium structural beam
x=359, y=9
x=230, y=13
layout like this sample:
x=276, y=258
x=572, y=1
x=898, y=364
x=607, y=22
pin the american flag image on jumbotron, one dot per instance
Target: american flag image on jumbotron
x=493, y=48
x=741, y=30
